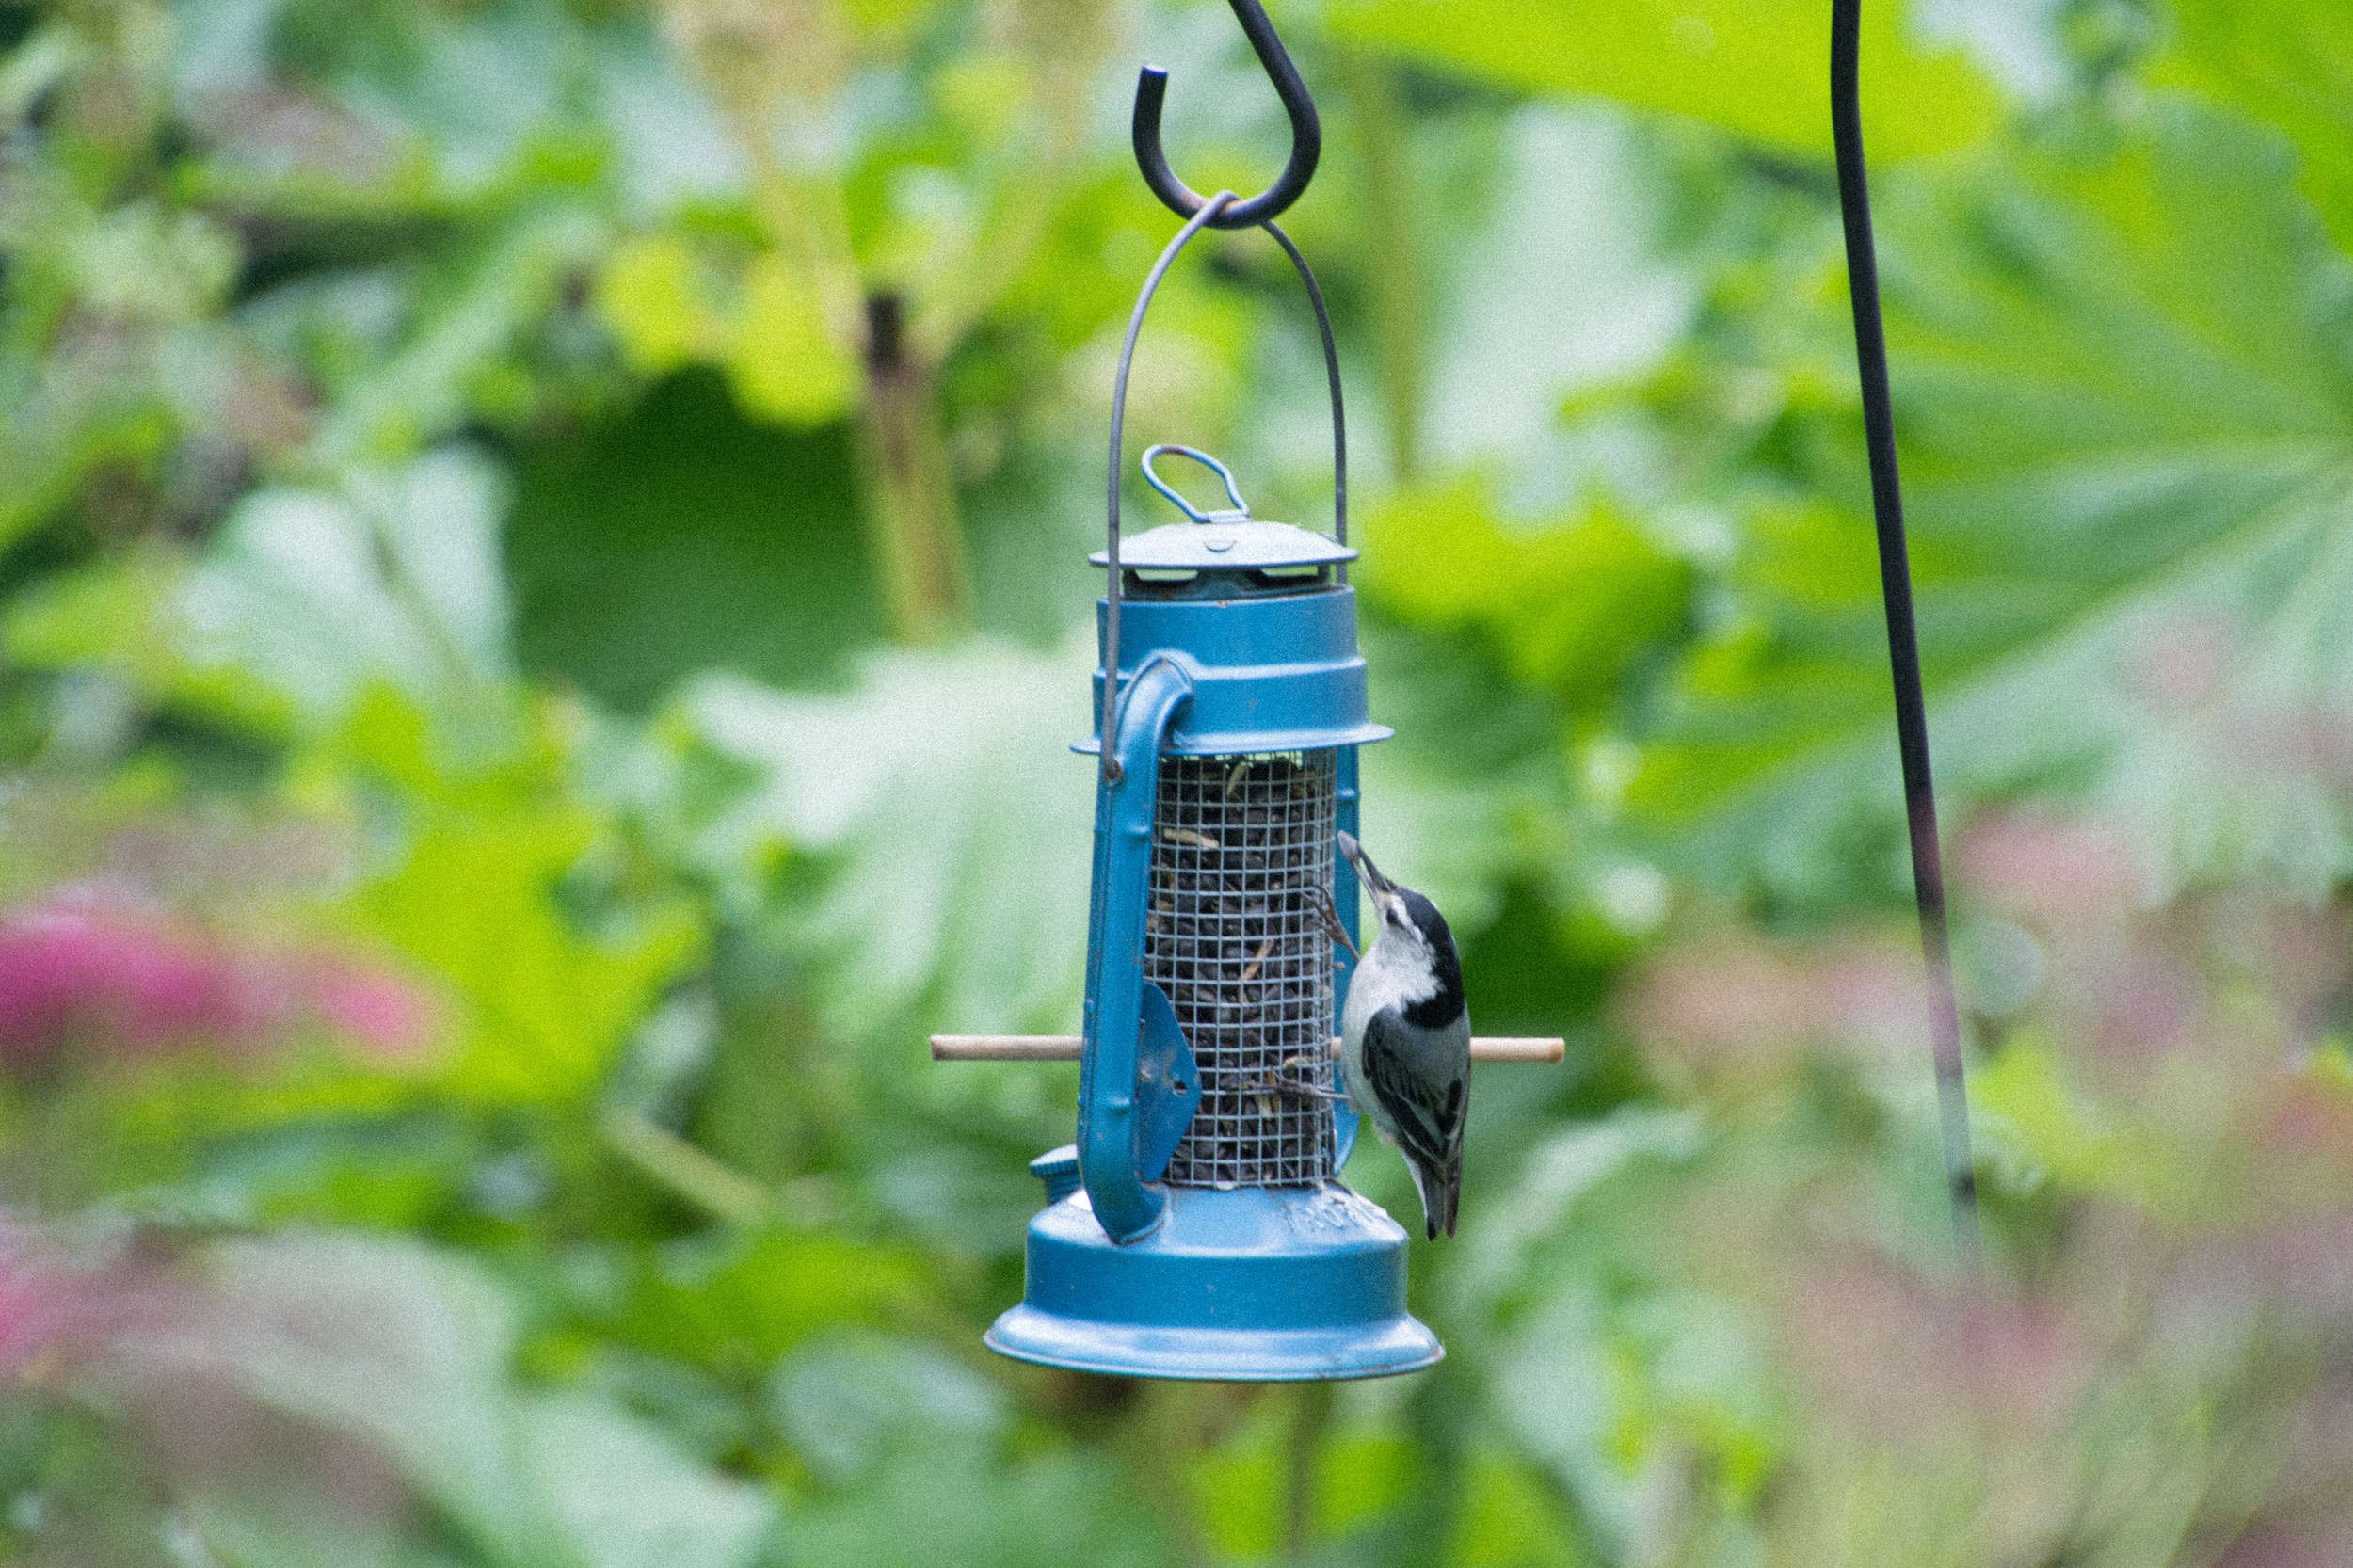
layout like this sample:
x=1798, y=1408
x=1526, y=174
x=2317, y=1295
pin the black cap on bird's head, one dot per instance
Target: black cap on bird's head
x=1424, y=940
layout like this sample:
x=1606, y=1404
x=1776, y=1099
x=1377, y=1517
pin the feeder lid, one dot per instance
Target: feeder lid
x=1229, y=540
x=1242, y=544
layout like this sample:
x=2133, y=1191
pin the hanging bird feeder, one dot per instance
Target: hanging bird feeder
x=1197, y=1227
x=1209, y=1238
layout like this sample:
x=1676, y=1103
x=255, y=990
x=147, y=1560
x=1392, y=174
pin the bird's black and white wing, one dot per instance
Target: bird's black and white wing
x=1426, y=1100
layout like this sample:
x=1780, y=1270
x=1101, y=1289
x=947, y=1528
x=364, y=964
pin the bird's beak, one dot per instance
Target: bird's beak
x=1354, y=853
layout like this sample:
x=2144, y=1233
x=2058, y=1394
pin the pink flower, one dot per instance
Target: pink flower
x=38, y=1302
x=379, y=1010
x=1738, y=1008
x=75, y=971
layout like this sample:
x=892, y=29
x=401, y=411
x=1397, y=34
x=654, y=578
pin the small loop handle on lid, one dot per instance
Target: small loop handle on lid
x=1241, y=509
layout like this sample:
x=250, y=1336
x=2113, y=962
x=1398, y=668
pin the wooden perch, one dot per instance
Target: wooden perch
x=1064, y=1047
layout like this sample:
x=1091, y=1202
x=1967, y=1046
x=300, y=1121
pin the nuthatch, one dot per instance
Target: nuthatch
x=1405, y=1039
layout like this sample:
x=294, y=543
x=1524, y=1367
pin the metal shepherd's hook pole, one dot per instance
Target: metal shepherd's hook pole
x=1903, y=640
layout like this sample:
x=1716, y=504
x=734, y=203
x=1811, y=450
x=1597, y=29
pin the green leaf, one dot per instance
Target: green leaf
x=2127, y=480
x=1461, y=800
x=626, y=1498
x=1605, y=1366
x=685, y=536
x=670, y=143
x=1568, y=605
x=465, y=332
x=403, y=1348
x=738, y=1302
x=284, y=1527
x=2035, y=1120
x=542, y=1005
x=948, y=822
x=767, y=326
x=846, y=1400
x=376, y=614
x=405, y=108
x=95, y=319
x=1758, y=68
x=1510, y=1519
x=1058, y=1505
x=122, y=614
x=2290, y=62
x=306, y=601
x=651, y=294
x=1565, y=279
x=393, y=580
x=412, y=1351
x=786, y=360
x=1564, y=1177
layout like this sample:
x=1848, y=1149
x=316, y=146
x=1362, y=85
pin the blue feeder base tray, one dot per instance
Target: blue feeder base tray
x=1254, y=1285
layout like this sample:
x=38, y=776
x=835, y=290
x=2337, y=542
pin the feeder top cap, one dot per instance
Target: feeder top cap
x=1244, y=544
x=1227, y=541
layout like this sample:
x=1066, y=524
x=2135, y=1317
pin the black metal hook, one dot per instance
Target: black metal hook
x=1306, y=131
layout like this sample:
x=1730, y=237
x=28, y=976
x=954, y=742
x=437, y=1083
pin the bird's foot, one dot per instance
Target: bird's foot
x=1328, y=914
x=1296, y=1088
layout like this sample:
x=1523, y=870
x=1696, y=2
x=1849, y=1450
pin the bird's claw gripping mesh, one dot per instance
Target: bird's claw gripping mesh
x=1242, y=847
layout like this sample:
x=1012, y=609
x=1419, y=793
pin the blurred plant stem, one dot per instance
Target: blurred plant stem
x=1440, y=1417
x=781, y=71
x=1391, y=239
x=708, y=1184
x=1311, y=1418
x=914, y=534
x=1158, y=1435
x=912, y=520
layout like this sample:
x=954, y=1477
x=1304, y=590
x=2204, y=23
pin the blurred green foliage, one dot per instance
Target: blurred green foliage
x=543, y=605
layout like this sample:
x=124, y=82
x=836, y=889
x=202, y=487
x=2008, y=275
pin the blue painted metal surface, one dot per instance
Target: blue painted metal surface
x=1127, y=1275
x=1168, y=1084
x=1108, y=1119
x=1257, y=1284
x=1059, y=1170
x=1271, y=672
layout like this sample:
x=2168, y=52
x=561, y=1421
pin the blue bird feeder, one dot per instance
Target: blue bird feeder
x=1202, y=1232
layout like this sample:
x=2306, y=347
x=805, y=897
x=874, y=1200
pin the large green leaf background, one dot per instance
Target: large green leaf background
x=413, y=1352
x=1759, y=70
x=2288, y=63
x=2123, y=412
x=949, y=823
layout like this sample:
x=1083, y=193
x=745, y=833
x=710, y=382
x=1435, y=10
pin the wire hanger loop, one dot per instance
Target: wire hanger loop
x=1210, y=210
x=1241, y=510
x=1306, y=131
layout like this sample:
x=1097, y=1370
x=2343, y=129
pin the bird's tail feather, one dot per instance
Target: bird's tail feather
x=1441, y=1194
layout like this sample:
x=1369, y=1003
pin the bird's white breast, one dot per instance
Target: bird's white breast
x=1394, y=974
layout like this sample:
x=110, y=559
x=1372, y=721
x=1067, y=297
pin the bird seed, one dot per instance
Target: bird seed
x=1245, y=960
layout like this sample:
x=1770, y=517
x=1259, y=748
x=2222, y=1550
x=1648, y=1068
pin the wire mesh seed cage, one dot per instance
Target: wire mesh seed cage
x=1240, y=861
